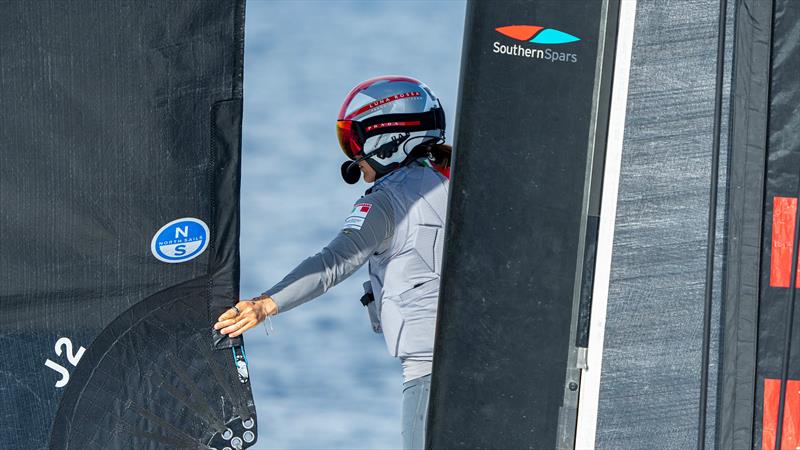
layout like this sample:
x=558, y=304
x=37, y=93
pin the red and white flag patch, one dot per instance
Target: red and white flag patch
x=356, y=218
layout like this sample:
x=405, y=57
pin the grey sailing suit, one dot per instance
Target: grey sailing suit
x=399, y=228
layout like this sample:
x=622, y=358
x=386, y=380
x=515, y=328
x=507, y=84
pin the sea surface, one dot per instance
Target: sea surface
x=322, y=379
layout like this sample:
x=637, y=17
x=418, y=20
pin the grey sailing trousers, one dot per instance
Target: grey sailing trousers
x=415, y=412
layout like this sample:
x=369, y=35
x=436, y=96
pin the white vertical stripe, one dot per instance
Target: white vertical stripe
x=590, y=379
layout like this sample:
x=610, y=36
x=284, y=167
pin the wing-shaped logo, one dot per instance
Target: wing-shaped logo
x=537, y=35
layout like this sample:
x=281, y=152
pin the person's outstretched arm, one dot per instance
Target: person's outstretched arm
x=367, y=230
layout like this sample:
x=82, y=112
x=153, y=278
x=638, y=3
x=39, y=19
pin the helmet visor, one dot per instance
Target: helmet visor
x=349, y=138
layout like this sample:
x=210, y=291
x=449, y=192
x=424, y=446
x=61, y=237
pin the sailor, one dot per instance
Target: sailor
x=392, y=129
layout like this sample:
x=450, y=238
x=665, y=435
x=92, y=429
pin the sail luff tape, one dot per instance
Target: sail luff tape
x=711, y=240
x=590, y=378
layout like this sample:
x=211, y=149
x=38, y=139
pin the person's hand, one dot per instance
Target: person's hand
x=245, y=315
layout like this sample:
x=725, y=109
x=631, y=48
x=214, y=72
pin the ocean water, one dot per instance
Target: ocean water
x=323, y=379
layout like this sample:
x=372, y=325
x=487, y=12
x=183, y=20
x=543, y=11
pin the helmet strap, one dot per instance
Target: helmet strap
x=385, y=151
x=350, y=173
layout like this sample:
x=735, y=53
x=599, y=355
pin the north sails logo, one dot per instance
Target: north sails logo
x=180, y=240
x=536, y=35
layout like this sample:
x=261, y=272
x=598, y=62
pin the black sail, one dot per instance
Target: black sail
x=119, y=185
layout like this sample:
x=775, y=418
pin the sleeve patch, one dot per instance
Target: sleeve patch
x=356, y=218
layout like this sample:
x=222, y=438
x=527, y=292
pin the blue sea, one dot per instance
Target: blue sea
x=322, y=379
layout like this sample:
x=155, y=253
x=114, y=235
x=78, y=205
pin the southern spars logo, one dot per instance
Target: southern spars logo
x=180, y=240
x=536, y=35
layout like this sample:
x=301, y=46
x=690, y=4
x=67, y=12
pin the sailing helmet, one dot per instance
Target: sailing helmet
x=389, y=116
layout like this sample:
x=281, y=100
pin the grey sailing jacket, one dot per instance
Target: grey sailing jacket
x=399, y=228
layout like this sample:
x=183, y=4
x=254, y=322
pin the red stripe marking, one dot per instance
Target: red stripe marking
x=784, y=212
x=365, y=84
x=520, y=32
x=791, y=414
x=393, y=124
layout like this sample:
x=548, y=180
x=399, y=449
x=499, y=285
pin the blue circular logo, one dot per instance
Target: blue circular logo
x=180, y=240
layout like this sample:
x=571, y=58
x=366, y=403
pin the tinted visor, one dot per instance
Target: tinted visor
x=349, y=137
x=353, y=134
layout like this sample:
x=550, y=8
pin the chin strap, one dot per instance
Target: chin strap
x=350, y=171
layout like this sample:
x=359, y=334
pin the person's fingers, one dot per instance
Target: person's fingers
x=245, y=307
x=224, y=323
x=247, y=326
x=246, y=315
x=234, y=314
x=249, y=314
x=228, y=314
x=231, y=328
